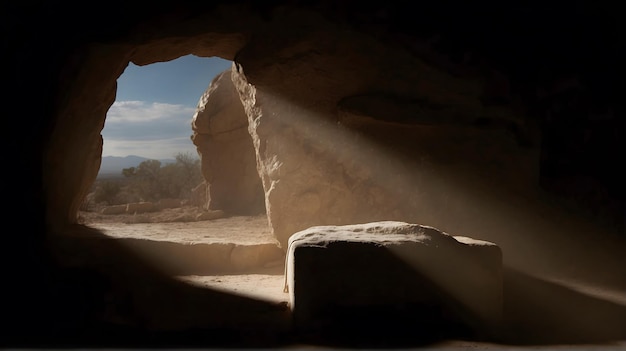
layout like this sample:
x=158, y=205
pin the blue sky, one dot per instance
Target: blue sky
x=152, y=113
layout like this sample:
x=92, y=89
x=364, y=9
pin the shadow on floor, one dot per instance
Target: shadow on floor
x=541, y=312
x=535, y=313
x=98, y=293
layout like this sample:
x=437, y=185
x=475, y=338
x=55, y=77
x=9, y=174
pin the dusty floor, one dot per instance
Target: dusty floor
x=165, y=225
x=267, y=282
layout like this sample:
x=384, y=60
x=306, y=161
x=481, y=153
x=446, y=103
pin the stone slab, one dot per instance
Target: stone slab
x=392, y=275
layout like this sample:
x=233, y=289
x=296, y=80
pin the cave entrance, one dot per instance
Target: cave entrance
x=151, y=192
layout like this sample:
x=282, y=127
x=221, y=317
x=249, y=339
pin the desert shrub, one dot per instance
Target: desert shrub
x=107, y=191
x=181, y=177
x=144, y=180
x=126, y=195
x=150, y=181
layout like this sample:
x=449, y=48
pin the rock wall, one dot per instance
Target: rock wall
x=392, y=78
x=342, y=137
x=220, y=133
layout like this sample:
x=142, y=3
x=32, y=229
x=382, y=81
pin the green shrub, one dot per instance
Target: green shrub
x=107, y=191
x=150, y=181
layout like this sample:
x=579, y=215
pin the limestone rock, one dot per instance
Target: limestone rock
x=342, y=138
x=220, y=133
x=209, y=215
x=379, y=274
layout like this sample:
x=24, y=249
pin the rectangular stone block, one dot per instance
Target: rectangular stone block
x=392, y=275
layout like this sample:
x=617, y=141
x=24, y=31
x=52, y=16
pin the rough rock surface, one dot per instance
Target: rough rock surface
x=379, y=274
x=359, y=142
x=220, y=133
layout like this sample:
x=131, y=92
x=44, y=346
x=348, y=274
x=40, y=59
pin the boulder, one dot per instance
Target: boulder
x=393, y=275
x=220, y=133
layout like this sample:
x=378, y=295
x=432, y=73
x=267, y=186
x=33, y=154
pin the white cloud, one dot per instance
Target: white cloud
x=142, y=112
x=148, y=129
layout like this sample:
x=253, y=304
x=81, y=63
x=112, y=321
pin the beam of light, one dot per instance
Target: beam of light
x=315, y=168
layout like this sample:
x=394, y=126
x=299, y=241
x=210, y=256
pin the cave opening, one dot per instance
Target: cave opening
x=152, y=192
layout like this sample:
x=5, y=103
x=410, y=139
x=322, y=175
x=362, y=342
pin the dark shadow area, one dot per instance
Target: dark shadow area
x=360, y=294
x=103, y=295
x=98, y=293
x=539, y=312
x=394, y=305
x=378, y=339
x=536, y=314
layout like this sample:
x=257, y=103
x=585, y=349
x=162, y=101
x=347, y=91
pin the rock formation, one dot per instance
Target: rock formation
x=452, y=116
x=320, y=153
x=220, y=133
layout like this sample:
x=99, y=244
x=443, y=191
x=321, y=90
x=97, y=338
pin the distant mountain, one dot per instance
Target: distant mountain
x=112, y=166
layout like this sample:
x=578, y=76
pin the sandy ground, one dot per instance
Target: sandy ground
x=238, y=229
x=177, y=226
x=252, y=231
